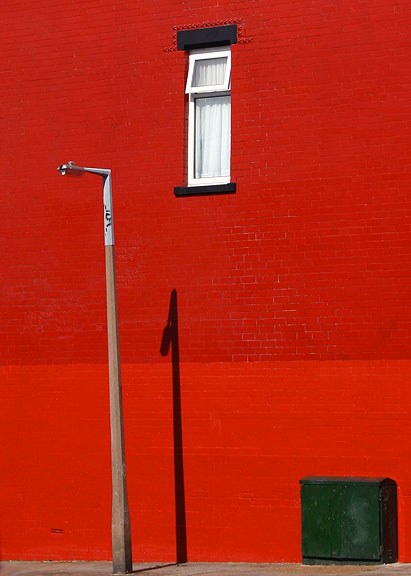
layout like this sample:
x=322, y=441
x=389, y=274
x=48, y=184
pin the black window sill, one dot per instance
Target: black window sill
x=205, y=190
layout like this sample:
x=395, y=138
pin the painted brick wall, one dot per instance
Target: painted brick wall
x=292, y=296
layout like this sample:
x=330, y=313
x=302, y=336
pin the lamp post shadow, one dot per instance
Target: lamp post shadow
x=170, y=337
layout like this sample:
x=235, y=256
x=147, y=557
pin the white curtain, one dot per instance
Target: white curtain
x=213, y=136
x=209, y=72
x=212, y=121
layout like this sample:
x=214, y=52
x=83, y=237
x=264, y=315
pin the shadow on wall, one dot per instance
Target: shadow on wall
x=170, y=337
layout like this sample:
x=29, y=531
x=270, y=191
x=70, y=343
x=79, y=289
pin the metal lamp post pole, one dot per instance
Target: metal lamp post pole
x=120, y=519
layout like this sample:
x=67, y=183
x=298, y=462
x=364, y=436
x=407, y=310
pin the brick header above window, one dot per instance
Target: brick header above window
x=207, y=37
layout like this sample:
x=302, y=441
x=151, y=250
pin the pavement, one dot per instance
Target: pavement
x=15, y=568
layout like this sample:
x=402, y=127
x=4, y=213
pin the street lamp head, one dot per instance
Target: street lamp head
x=70, y=169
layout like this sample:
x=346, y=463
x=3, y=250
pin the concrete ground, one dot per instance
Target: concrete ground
x=14, y=568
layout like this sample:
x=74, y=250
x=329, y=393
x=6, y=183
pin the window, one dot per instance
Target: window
x=209, y=119
x=209, y=122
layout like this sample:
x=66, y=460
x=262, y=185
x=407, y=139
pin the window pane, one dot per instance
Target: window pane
x=210, y=72
x=212, y=137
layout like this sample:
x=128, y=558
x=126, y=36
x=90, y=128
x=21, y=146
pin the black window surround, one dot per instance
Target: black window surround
x=207, y=37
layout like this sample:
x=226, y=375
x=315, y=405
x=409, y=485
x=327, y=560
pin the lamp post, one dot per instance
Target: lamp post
x=120, y=519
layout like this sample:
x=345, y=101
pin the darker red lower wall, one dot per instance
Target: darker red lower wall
x=250, y=432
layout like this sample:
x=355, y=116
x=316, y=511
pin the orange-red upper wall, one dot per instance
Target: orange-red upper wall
x=293, y=294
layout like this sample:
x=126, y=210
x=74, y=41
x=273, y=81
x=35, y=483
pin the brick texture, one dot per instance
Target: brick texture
x=293, y=294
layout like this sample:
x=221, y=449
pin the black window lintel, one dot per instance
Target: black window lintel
x=207, y=37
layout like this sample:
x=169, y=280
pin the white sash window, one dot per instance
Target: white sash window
x=209, y=123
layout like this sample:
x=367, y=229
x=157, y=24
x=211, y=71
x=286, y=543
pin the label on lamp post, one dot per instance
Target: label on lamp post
x=108, y=212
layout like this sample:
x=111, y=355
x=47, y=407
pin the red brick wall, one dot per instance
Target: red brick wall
x=293, y=294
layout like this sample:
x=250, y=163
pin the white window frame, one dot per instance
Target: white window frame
x=204, y=92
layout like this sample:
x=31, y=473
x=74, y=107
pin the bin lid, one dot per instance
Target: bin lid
x=344, y=480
